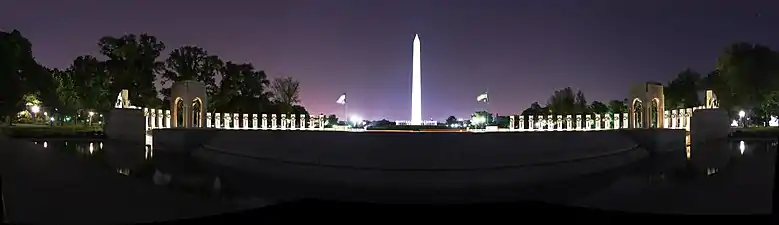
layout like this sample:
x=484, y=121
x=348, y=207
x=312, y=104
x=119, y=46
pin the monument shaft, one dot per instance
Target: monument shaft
x=416, y=85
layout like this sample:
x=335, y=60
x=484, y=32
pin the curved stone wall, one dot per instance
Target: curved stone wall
x=420, y=160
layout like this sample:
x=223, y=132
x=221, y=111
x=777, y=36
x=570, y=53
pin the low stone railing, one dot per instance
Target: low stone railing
x=672, y=119
x=157, y=118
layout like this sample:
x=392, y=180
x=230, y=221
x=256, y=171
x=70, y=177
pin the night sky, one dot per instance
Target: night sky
x=520, y=50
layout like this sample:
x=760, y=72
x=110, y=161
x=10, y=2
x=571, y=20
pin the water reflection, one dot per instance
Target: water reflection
x=668, y=170
x=137, y=161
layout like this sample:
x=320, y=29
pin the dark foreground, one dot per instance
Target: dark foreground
x=107, y=182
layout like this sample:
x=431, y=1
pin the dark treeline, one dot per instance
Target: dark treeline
x=135, y=63
x=746, y=77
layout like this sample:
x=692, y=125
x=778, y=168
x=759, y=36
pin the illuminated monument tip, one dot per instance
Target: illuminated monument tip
x=416, y=85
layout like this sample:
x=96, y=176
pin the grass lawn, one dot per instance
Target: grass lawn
x=47, y=131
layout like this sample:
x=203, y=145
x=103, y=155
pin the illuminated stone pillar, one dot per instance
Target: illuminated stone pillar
x=550, y=122
x=616, y=121
x=303, y=123
x=245, y=121
x=149, y=118
x=608, y=122
x=167, y=118
x=321, y=121
x=521, y=122
x=568, y=122
x=531, y=123
x=160, y=119
x=578, y=122
x=254, y=121
x=511, y=123
x=217, y=120
x=625, y=120
x=264, y=121
x=208, y=120
x=226, y=121
x=273, y=121
x=559, y=122
x=236, y=118
x=283, y=121
x=292, y=122
x=598, y=121
x=587, y=122
x=666, y=118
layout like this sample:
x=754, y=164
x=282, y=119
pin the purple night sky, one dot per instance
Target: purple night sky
x=520, y=50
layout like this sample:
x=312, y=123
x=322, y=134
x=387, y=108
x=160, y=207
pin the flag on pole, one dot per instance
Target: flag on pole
x=482, y=97
x=341, y=100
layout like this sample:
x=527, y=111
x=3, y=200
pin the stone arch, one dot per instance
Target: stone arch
x=192, y=94
x=197, y=111
x=636, y=113
x=655, y=115
x=650, y=115
x=177, y=112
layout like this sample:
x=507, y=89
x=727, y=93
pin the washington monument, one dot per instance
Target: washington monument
x=416, y=85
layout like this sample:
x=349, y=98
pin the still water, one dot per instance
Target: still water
x=682, y=181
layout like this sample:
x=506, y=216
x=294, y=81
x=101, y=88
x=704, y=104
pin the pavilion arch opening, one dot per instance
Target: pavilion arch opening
x=638, y=113
x=197, y=110
x=179, y=112
x=654, y=113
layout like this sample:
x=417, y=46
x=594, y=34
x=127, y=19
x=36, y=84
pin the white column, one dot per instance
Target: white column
x=160, y=118
x=218, y=120
x=264, y=121
x=625, y=118
x=531, y=125
x=208, y=119
x=521, y=122
x=598, y=121
x=607, y=121
x=578, y=122
x=167, y=118
x=245, y=121
x=254, y=121
x=283, y=121
x=616, y=121
x=303, y=121
x=549, y=122
x=568, y=122
x=559, y=123
x=292, y=121
x=666, y=118
x=511, y=123
x=236, y=117
x=146, y=119
x=273, y=121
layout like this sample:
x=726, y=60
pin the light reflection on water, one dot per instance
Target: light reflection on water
x=183, y=174
x=138, y=162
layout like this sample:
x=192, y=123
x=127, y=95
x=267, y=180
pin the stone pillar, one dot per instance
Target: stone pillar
x=625, y=119
x=273, y=121
x=160, y=119
x=292, y=122
x=608, y=122
x=254, y=121
x=264, y=121
x=616, y=121
x=236, y=117
x=521, y=122
x=568, y=122
x=559, y=122
x=283, y=121
x=587, y=122
x=578, y=122
x=303, y=121
x=598, y=121
x=167, y=118
x=208, y=120
x=666, y=118
x=321, y=121
x=146, y=119
x=511, y=123
x=228, y=121
x=550, y=122
x=245, y=124
x=218, y=120
x=531, y=123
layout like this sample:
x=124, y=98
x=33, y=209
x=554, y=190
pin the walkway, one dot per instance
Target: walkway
x=42, y=186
